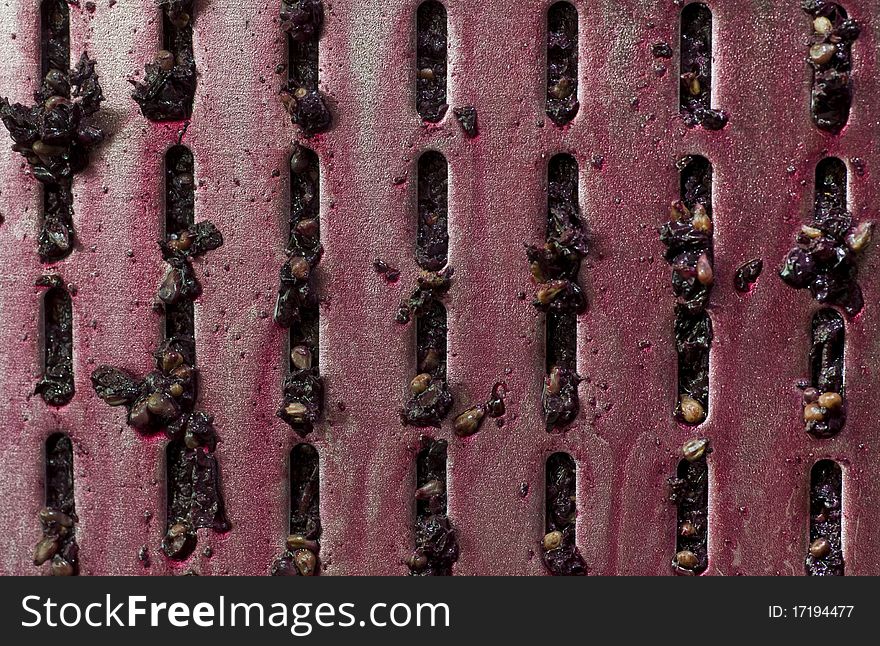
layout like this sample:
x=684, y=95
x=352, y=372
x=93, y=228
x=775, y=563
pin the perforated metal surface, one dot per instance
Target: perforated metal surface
x=626, y=445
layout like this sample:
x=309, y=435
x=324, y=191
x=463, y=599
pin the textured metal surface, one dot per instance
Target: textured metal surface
x=626, y=445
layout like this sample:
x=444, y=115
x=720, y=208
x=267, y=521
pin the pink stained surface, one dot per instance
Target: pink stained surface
x=626, y=445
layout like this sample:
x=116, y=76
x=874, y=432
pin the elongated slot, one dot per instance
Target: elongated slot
x=562, y=63
x=559, y=548
x=829, y=55
x=169, y=84
x=555, y=267
x=435, y=537
x=431, y=333
x=57, y=383
x=695, y=88
x=194, y=495
x=194, y=498
x=826, y=257
x=690, y=492
x=177, y=32
x=300, y=557
x=825, y=553
x=305, y=507
x=180, y=216
x=431, y=61
x=298, y=304
x=59, y=474
x=825, y=398
x=55, y=38
x=432, y=243
x=688, y=238
x=430, y=399
x=830, y=192
x=305, y=235
x=58, y=518
x=302, y=57
x=302, y=22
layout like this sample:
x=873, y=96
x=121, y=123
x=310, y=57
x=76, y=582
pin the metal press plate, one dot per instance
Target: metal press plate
x=626, y=445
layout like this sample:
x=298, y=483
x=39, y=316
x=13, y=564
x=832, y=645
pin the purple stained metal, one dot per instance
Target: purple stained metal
x=625, y=445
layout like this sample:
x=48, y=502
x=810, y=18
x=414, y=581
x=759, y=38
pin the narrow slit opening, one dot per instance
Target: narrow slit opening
x=695, y=88
x=826, y=257
x=194, y=498
x=559, y=549
x=177, y=32
x=693, y=339
x=829, y=55
x=690, y=492
x=431, y=47
x=831, y=187
x=430, y=399
x=57, y=235
x=304, y=239
x=56, y=239
x=436, y=541
x=432, y=243
x=58, y=518
x=302, y=59
x=825, y=398
x=57, y=384
x=179, y=321
x=298, y=306
x=300, y=557
x=302, y=22
x=825, y=553
x=59, y=474
x=556, y=267
x=180, y=194
x=305, y=501
x=431, y=339
x=169, y=83
x=55, y=38
x=688, y=237
x=562, y=63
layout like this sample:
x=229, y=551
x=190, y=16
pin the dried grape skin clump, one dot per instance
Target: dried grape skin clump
x=169, y=85
x=467, y=119
x=825, y=258
x=688, y=240
x=55, y=137
x=303, y=400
